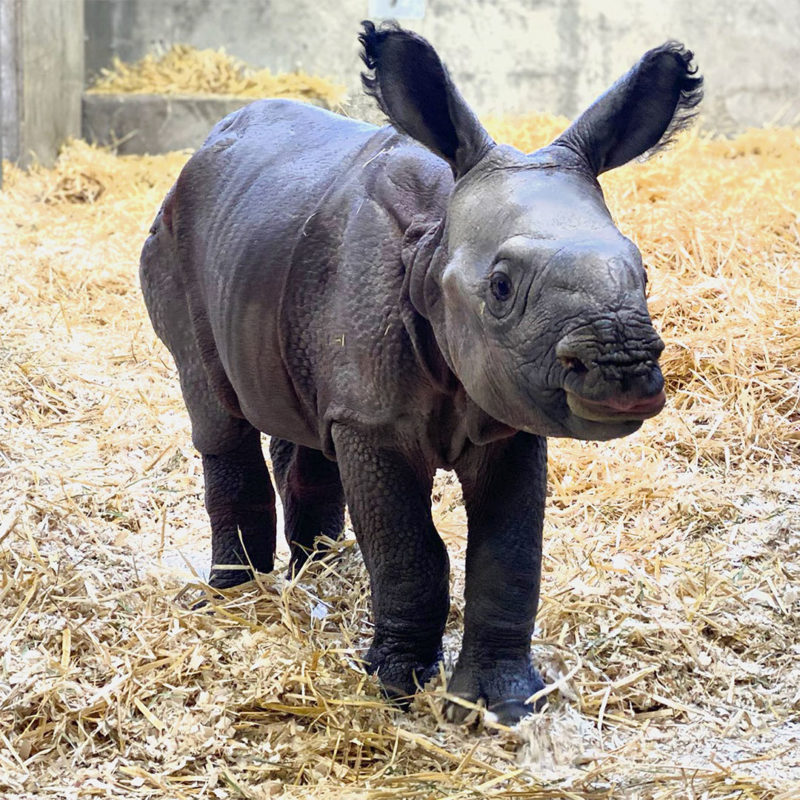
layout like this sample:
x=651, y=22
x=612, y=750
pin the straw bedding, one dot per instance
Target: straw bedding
x=183, y=70
x=671, y=593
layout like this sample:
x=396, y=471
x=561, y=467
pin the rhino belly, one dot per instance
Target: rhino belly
x=261, y=380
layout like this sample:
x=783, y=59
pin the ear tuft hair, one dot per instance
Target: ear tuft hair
x=690, y=86
x=388, y=51
x=641, y=113
x=371, y=40
x=412, y=87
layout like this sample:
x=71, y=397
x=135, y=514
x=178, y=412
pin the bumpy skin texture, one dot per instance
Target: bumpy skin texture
x=388, y=493
x=504, y=493
x=382, y=310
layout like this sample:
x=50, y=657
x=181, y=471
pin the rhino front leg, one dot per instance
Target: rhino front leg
x=312, y=496
x=241, y=506
x=504, y=493
x=388, y=494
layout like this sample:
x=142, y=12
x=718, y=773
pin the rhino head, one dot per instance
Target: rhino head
x=536, y=299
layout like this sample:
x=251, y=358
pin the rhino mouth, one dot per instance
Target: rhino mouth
x=615, y=409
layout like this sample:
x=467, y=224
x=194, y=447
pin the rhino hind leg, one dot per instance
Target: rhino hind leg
x=312, y=495
x=241, y=506
x=238, y=492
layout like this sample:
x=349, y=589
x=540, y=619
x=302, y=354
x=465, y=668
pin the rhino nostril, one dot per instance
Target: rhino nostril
x=573, y=364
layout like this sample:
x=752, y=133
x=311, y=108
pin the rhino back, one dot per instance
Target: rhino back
x=288, y=226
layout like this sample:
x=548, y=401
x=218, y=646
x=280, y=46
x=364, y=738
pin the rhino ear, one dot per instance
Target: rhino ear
x=412, y=87
x=641, y=112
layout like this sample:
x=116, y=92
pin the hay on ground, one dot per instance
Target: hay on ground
x=183, y=70
x=670, y=605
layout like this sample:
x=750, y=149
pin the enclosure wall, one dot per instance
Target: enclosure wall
x=41, y=76
x=507, y=56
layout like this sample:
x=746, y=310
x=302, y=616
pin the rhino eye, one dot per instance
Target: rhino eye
x=501, y=286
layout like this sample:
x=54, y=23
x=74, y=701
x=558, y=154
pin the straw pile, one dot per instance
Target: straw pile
x=185, y=70
x=671, y=600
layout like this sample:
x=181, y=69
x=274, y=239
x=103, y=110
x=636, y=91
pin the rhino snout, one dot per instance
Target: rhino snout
x=612, y=381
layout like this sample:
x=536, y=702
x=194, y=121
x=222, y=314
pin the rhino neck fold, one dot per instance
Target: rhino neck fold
x=420, y=244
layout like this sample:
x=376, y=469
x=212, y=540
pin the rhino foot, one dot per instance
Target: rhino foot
x=228, y=578
x=504, y=687
x=401, y=672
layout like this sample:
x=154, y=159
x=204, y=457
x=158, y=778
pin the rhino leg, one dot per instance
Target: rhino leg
x=388, y=495
x=312, y=495
x=238, y=492
x=241, y=506
x=504, y=493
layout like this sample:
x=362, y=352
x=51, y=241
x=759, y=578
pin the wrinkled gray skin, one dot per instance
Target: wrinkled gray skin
x=381, y=309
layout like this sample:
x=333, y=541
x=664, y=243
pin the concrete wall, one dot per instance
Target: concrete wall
x=506, y=55
x=41, y=76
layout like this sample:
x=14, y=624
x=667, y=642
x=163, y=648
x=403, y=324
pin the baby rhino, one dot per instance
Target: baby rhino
x=387, y=301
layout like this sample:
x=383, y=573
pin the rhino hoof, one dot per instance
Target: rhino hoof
x=401, y=674
x=229, y=578
x=500, y=692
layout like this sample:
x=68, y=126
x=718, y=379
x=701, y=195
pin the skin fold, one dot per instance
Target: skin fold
x=387, y=301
